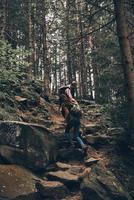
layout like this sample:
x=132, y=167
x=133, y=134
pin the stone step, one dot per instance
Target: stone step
x=98, y=140
x=62, y=166
x=52, y=190
x=58, y=166
x=70, y=180
x=92, y=128
x=91, y=161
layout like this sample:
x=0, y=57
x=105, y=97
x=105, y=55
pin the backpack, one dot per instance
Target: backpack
x=75, y=111
x=62, y=94
x=62, y=89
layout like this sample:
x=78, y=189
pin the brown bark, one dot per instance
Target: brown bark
x=69, y=71
x=30, y=39
x=34, y=55
x=96, y=83
x=90, y=74
x=46, y=63
x=126, y=55
x=55, y=71
x=83, y=68
x=2, y=18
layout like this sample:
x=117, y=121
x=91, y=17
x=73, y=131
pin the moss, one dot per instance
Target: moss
x=11, y=109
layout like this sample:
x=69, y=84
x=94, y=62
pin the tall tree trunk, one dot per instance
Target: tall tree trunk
x=46, y=63
x=82, y=54
x=2, y=18
x=55, y=70
x=30, y=38
x=90, y=74
x=126, y=55
x=69, y=71
x=96, y=83
x=90, y=63
x=34, y=56
x=38, y=35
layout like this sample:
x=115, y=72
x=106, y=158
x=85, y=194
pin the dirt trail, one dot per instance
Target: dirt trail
x=58, y=128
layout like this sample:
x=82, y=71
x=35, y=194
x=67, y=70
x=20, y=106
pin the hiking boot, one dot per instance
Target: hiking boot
x=85, y=150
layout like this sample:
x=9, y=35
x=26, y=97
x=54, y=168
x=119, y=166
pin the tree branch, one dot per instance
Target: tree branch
x=93, y=31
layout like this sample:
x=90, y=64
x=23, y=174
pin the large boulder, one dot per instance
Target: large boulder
x=27, y=144
x=16, y=181
x=101, y=184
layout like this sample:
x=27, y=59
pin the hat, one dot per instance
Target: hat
x=74, y=83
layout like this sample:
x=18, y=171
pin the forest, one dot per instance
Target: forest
x=45, y=44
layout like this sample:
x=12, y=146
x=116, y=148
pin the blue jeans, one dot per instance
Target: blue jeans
x=75, y=125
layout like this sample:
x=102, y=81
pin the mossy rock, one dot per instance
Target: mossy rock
x=36, y=145
x=16, y=181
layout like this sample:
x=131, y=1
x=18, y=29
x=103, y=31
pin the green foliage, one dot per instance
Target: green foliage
x=4, y=115
x=12, y=64
x=118, y=111
x=3, y=96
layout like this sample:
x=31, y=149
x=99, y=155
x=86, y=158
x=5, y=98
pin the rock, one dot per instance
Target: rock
x=87, y=102
x=52, y=189
x=119, y=137
x=80, y=171
x=30, y=160
x=45, y=122
x=50, y=167
x=94, y=106
x=12, y=155
x=115, y=131
x=85, y=173
x=97, y=140
x=36, y=145
x=76, y=170
x=62, y=166
x=91, y=161
x=98, y=114
x=101, y=184
x=4, y=198
x=92, y=128
x=20, y=99
x=31, y=196
x=64, y=177
x=70, y=154
x=23, y=102
x=16, y=181
x=58, y=166
x=63, y=143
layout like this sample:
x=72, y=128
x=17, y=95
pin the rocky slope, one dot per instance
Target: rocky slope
x=36, y=162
